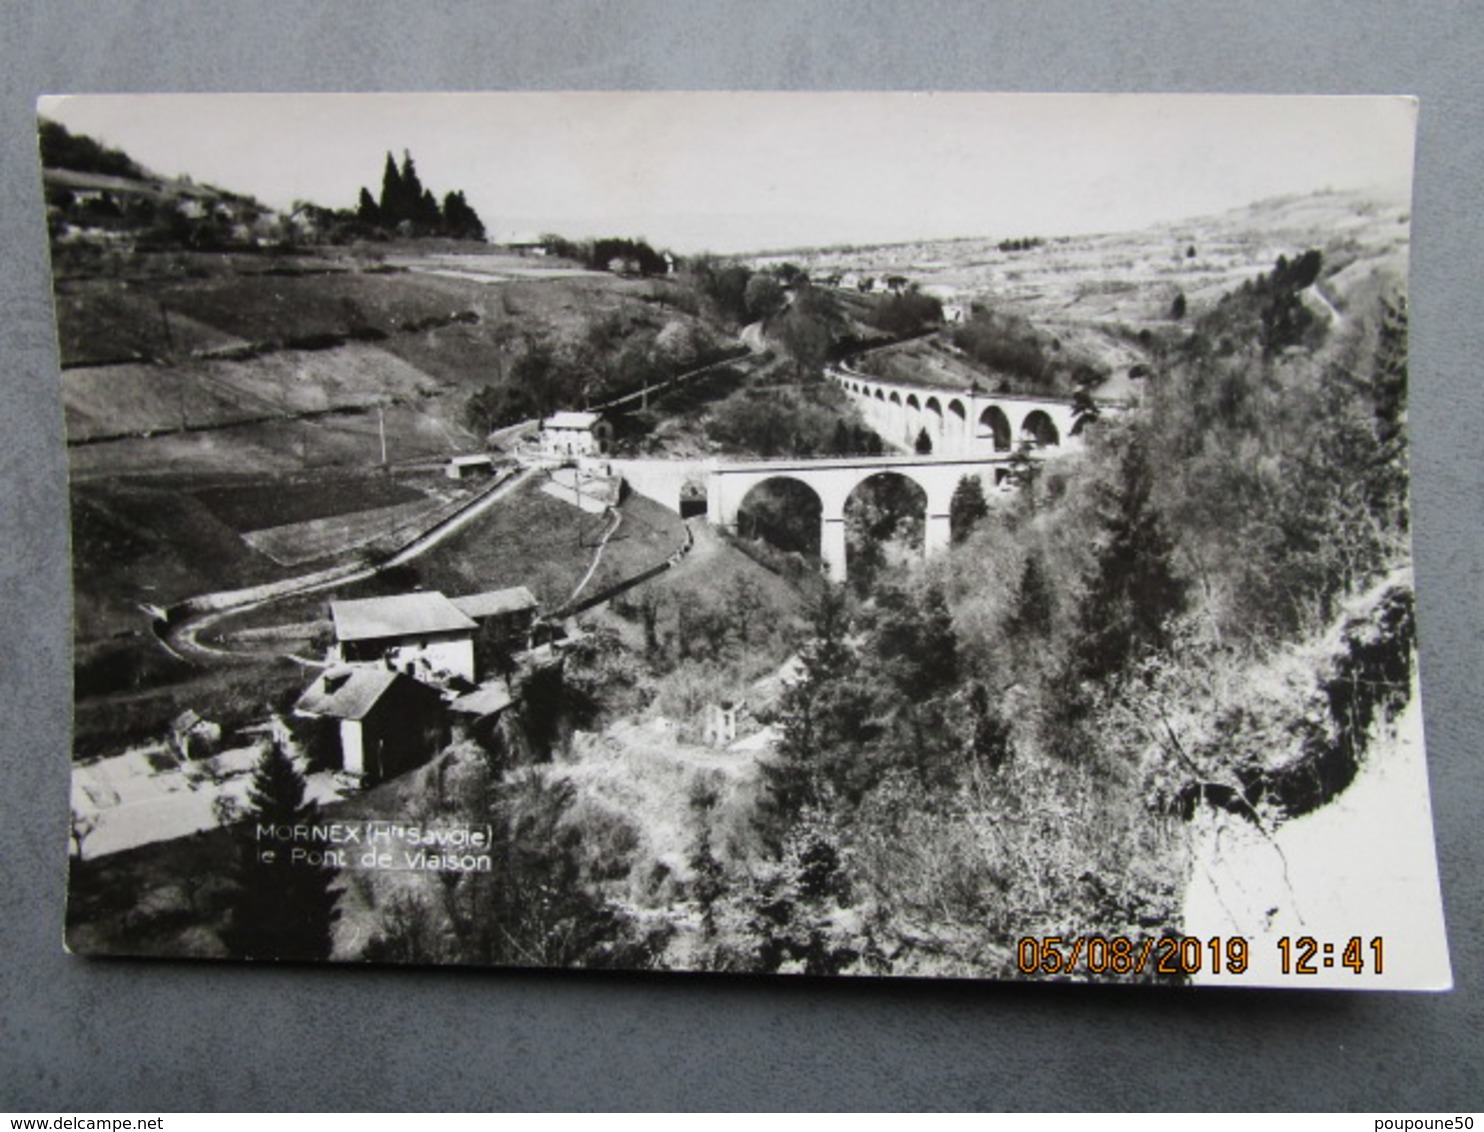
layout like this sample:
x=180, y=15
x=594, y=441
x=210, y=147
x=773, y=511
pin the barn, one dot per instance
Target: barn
x=505, y=617
x=419, y=634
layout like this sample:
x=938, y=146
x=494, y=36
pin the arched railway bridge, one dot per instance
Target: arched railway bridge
x=832, y=480
x=970, y=433
x=958, y=422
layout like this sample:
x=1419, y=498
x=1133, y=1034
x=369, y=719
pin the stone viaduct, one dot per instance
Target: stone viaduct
x=972, y=434
x=832, y=479
x=958, y=422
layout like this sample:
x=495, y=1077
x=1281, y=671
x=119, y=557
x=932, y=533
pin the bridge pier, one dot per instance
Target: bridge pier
x=937, y=534
x=832, y=546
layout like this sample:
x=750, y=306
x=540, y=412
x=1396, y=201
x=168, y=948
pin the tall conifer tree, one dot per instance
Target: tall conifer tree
x=391, y=193
x=282, y=909
x=1134, y=590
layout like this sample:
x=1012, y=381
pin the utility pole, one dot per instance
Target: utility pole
x=169, y=337
x=381, y=427
x=577, y=502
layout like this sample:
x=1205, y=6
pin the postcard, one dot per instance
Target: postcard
x=861, y=534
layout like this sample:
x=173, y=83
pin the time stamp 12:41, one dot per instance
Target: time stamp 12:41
x=1188, y=955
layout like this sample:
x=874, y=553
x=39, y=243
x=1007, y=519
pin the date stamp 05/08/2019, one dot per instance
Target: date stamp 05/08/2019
x=1187, y=955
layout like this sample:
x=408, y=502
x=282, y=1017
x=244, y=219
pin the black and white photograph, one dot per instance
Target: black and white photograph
x=856, y=534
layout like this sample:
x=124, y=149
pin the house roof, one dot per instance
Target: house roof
x=185, y=720
x=483, y=701
x=570, y=420
x=495, y=602
x=348, y=693
x=469, y=461
x=402, y=615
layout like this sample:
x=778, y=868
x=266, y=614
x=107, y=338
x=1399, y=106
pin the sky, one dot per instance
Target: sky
x=754, y=171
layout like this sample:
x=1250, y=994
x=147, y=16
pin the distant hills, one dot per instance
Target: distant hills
x=97, y=195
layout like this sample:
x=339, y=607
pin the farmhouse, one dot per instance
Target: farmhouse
x=575, y=434
x=419, y=634
x=387, y=723
x=469, y=467
x=504, y=617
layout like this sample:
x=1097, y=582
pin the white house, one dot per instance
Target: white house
x=420, y=634
x=575, y=434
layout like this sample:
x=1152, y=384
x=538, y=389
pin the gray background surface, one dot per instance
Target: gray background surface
x=84, y=1035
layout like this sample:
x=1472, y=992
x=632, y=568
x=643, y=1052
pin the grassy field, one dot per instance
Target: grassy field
x=331, y=340
x=238, y=301
x=140, y=541
x=348, y=439
x=310, y=541
x=254, y=507
x=235, y=695
x=165, y=538
x=467, y=356
x=100, y=323
x=706, y=579
x=139, y=398
x=528, y=539
x=924, y=362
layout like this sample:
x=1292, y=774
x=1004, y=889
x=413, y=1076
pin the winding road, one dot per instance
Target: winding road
x=184, y=639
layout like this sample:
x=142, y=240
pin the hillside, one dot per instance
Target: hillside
x=1133, y=277
x=238, y=340
x=185, y=308
x=99, y=199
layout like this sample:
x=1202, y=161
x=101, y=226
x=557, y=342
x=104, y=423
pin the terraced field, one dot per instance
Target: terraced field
x=531, y=539
x=256, y=507
x=1132, y=277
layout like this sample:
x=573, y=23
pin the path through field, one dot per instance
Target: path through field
x=185, y=638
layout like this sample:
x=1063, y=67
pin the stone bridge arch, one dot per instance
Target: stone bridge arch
x=833, y=482
x=912, y=407
x=956, y=427
x=959, y=422
x=994, y=427
x=800, y=490
x=915, y=509
x=933, y=421
x=1039, y=427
